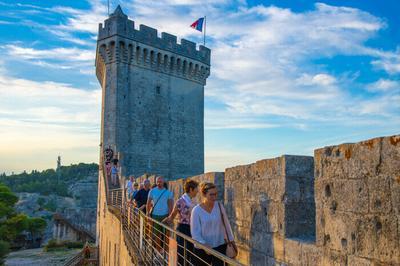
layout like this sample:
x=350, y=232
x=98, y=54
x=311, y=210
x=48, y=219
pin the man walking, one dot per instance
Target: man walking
x=159, y=205
x=141, y=196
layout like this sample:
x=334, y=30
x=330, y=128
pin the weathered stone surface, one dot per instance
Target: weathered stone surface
x=380, y=200
x=377, y=237
x=342, y=195
x=348, y=161
x=310, y=254
x=293, y=252
x=333, y=258
x=357, y=199
x=354, y=260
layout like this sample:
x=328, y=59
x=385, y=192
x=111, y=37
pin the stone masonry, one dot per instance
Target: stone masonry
x=153, y=98
x=349, y=214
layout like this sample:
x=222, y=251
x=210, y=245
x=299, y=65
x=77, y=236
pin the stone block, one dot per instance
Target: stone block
x=264, y=169
x=278, y=248
x=395, y=193
x=300, y=219
x=243, y=254
x=390, y=156
x=258, y=258
x=339, y=230
x=379, y=194
x=342, y=195
x=377, y=238
x=354, y=260
x=348, y=161
x=333, y=258
x=292, y=252
x=311, y=254
x=262, y=242
x=302, y=166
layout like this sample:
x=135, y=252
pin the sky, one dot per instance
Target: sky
x=287, y=77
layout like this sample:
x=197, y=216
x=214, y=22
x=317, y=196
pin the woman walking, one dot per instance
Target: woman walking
x=209, y=226
x=183, y=207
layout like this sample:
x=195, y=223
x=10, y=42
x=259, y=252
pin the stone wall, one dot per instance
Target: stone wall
x=153, y=98
x=268, y=201
x=358, y=201
x=351, y=218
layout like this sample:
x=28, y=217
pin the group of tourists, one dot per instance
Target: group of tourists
x=206, y=221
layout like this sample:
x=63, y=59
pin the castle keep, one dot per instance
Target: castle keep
x=153, y=98
x=339, y=207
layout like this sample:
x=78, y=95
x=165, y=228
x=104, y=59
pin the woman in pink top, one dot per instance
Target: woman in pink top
x=183, y=207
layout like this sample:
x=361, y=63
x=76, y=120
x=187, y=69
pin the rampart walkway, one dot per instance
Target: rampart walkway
x=149, y=241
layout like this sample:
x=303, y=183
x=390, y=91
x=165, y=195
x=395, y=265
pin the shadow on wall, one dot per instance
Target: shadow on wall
x=253, y=234
x=261, y=232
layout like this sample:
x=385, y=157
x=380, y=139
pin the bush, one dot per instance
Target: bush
x=4, y=250
x=54, y=245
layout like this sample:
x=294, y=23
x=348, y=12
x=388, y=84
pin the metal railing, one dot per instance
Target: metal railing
x=115, y=198
x=82, y=259
x=157, y=243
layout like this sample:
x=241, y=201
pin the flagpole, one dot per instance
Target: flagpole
x=108, y=7
x=204, y=37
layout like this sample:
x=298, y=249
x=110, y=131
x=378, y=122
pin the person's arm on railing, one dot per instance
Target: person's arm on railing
x=172, y=215
x=149, y=203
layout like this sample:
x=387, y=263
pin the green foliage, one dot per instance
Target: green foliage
x=47, y=182
x=54, y=245
x=51, y=205
x=12, y=227
x=4, y=250
x=13, y=224
x=6, y=196
x=41, y=201
x=36, y=225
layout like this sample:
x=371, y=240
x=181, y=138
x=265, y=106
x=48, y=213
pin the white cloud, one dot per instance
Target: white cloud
x=46, y=118
x=318, y=79
x=61, y=53
x=384, y=85
x=389, y=62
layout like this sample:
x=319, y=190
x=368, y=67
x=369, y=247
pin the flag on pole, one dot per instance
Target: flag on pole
x=198, y=24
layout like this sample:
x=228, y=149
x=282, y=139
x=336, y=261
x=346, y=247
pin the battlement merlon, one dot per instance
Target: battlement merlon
x=119, y=24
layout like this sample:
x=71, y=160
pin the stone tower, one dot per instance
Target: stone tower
x=153, y=98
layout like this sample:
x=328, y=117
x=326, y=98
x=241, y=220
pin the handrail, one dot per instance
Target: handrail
x=75, y=260
x=191, y=240
x=135, y=224
x=79, y=228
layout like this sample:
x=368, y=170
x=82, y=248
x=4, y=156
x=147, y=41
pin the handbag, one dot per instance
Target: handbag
x=231, y=248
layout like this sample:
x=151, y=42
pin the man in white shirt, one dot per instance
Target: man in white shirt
x=160, y=203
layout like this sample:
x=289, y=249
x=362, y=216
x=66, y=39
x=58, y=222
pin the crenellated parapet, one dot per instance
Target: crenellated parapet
x=120, y=42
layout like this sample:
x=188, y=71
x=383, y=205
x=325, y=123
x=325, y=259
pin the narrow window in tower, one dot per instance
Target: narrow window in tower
x=158, y=89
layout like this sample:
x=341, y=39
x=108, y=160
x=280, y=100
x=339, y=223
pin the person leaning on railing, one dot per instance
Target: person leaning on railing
x=209, y=225
x=183, y=207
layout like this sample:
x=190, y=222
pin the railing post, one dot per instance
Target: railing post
x=141, y=232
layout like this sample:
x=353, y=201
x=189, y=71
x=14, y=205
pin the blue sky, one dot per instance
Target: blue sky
x=287, y=76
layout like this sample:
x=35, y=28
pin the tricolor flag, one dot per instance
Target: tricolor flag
x=198, y=24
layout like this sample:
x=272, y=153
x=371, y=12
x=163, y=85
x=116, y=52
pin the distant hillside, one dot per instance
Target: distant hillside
x=46, y=182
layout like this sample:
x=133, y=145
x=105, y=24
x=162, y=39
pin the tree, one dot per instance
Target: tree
x=4, y=250
x=36, y=226
x=13, y=224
